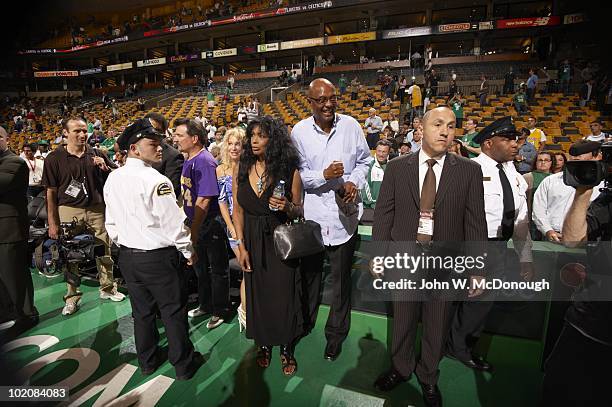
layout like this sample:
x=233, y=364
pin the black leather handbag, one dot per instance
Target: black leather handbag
x=300, y=239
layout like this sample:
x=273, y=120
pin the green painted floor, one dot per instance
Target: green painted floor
x=94, y=355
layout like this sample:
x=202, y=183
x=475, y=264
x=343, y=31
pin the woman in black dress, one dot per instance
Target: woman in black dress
x=273, y=305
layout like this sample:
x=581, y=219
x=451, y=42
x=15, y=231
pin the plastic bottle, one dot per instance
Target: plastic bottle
x=279, y=192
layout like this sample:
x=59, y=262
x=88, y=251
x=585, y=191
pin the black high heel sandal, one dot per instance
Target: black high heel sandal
x=288, y=362
x=264, y=354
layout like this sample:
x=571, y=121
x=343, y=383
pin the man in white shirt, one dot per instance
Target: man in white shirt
x=373, y=126
x=144, y=220
x=552, y=199
x=596, y=133
x=507, y=217
x=35, y=166
x=334, y=160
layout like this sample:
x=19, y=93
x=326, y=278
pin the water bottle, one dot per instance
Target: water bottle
x=279, y=192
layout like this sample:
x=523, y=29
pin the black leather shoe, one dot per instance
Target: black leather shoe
x=160, y=357
x=389, y=380
x=332, y=352
x=196, y=362
x=475, y=362
x=431, y=395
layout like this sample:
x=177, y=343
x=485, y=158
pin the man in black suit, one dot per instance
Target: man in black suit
x=413, y=186
x=172, y=160
x=16, y=288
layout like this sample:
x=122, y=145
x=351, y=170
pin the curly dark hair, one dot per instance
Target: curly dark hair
x=281, y=156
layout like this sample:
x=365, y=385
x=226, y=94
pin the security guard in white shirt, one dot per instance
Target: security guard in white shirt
x=143, y=218
x=507, y=217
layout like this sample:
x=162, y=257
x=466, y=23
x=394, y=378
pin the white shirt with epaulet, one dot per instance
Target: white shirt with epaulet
x=141, y=210
x=494, y=204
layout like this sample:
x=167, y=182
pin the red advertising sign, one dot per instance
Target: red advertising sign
x=529, y=22
x=449, y=28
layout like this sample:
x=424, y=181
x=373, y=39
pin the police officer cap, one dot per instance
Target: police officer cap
x=139, y=129
x=584, y=146
x=503, y=127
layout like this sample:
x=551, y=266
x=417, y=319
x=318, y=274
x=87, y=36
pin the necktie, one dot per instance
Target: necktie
x=428, y=195
x=509, y=210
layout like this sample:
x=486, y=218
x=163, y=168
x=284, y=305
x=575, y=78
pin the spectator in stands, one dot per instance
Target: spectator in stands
x=120, y=155
x=526, y=155
x=565, y=76
x=376, y=172
x=417, y=138
x=35, y=167
x=542, y=168
x=172, y=160
x=509, y=79
x=596, y=133
x=219, y=135
x=391, y=122
x=553, y=198
x=401, y=136
x=434, y=79
x=532, y=84
x=586, y=92
x=536, y=136
x=416, y=59
x=401, y=92
x=416, y=100
x=559, y=162
x=141, y=104
x=456, y=104
x=200, y=203
x=373, y=126
x=404, y=149
x=69, y=199
x=483, y=91
x=210, y=97
x=452, y=89
x=342, y=83
x=241, y=112
x=230, y=80
x=355, y=86
x=211, y=130
x=467, y=140
x=520, y=101
x=368, y=101
x=416, y=123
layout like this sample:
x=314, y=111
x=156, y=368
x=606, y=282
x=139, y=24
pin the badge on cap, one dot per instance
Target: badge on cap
x=164, y=189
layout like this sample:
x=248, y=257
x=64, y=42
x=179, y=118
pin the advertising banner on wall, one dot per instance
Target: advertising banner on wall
x=268, y=47
x=355, y=37
x=55, y=74
x=91, y=71
x=457, y=27
x=184, y=58
x=308, y=42
x=486, y=25
x=225, y=52
x=119, y=67
x=406, y=32
x=528, y=22
x=574, y=18
x=151, y=62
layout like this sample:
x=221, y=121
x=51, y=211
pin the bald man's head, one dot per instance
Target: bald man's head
x=322, y=97
x=3, y=139
x=438, y=131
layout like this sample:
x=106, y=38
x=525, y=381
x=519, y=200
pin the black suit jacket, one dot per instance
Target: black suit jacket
x=459, y=214
x=14, y=176
x=171, y=166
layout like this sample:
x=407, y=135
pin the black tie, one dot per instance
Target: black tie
x=509, y=210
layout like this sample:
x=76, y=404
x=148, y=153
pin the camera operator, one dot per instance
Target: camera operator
x=74, y=178
x=584, y=346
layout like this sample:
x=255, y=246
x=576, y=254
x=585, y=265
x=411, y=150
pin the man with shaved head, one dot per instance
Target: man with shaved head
x=334, y=165
x=430, y=197
x=16, y=289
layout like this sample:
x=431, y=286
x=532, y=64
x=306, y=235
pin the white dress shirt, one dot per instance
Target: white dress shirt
x=552, y=201
x=423, y=167
x=141, y=210
x=494, y=204
x=318, y=150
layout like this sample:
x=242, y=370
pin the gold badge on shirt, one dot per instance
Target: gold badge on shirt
x=164, y=189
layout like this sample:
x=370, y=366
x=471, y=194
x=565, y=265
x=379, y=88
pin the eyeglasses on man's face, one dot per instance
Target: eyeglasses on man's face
x=544, y=160
x=324, y=100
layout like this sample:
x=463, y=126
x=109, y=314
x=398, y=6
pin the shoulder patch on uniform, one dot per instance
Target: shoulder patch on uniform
x=164, y=189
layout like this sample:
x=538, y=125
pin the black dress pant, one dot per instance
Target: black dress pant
x=341, y=261
x=212, y=267
x=574, y=374
x=470, y=317
x=155, y=281
x=16, y=288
